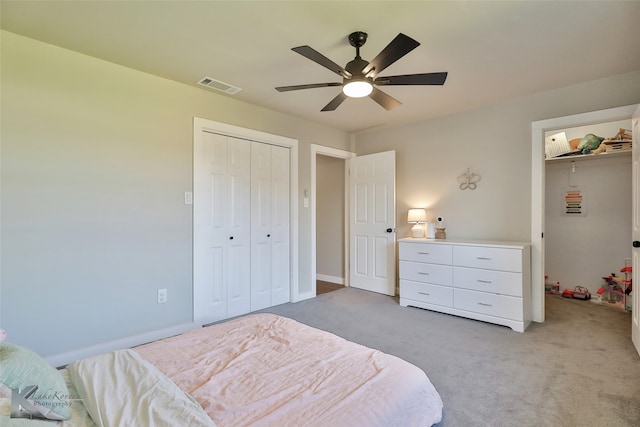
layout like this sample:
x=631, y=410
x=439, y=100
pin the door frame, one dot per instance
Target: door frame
x=346, y=156
x=538, y=130
x=201, y=125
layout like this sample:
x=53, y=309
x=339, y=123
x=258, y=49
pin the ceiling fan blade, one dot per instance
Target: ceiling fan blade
x=317, y=57
x=335, y=102
x=309, y=86
x=395, y=50
x=413, y=79
x=386, y=101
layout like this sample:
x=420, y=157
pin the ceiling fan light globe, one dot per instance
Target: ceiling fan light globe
x=357, y=89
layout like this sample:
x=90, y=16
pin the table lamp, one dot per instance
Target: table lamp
x=417, y=217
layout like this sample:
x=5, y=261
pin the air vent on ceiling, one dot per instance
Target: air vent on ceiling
x=218, y=85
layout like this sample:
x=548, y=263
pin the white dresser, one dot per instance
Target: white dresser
x=482, y=280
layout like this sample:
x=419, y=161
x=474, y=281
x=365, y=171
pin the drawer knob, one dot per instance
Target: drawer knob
x=421, y=272
x=424, y=293
x=484, y=258
x=423, y=253
x=484, y=281
x=486, y=305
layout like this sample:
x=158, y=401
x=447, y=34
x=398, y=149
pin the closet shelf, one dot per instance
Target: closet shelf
x=579, y=157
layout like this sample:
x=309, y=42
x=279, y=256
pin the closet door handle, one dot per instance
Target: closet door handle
x=636, y=244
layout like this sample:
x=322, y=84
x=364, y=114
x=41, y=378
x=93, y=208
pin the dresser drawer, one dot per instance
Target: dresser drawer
x=498, y=282
x=504, y=259
x=422, y=272
x=504, y=306
x=423, y=292
x=425, y=252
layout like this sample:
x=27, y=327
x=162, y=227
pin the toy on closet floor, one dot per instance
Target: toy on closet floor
x=579, y=292
x=617, y=288
x=551, y=288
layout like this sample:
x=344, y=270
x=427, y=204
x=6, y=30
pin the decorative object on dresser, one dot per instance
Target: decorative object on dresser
x=481, y=280
x=440, y=231
x=417, y=217
x=431, y=230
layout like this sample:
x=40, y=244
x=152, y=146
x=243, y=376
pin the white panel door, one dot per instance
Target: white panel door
x=270, y=237
x=372, y=218
x=261, y=217
x=221, y=213
x=635, y=294
x=280, y=226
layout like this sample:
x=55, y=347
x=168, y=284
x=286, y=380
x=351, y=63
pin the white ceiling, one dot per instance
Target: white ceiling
x=492, y=50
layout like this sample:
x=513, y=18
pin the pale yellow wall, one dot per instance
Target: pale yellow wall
x=95, y=162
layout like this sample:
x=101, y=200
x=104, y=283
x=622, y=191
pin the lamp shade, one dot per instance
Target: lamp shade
x=417, y=216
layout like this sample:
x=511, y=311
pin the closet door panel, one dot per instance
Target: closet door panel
x=237, y=226
x=280, y=237
x=214, y=232
x=261, y=218
x=224, y=235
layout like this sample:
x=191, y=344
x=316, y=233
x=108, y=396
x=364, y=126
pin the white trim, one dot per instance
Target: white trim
x=330, y=279
x=62, y=359
x=538, y=130
x=204, y=125
x=340, y=154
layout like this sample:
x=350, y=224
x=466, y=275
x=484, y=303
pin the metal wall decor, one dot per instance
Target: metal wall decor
x=468, y=180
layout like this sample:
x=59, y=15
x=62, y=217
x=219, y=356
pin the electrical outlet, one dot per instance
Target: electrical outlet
x=162, y=296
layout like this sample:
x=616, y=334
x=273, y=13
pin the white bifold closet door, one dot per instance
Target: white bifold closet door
x=270, y=240
x=223, y=241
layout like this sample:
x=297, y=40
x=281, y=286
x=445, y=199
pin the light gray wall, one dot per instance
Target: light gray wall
x=492, y=141
x=330, y=219
x=580, y=250
x=95, y=162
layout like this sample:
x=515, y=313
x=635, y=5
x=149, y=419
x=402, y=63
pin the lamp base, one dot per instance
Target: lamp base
x=417, y=231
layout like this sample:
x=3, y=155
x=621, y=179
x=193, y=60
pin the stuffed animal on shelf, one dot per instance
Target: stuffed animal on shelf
x=589, y=143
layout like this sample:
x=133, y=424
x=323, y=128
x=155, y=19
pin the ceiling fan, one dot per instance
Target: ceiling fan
x=360, y=77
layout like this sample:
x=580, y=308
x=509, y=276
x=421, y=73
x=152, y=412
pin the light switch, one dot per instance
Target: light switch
x=306, y=202
x=188, y=198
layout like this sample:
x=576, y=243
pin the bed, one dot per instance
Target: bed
x=256, y=370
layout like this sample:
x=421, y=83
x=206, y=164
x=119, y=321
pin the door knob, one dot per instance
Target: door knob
x=230, y=237
x=636, y=244
x=389, y=230
x=268, y=235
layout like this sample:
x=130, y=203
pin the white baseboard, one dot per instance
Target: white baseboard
x=62, y=359
x=330, y=279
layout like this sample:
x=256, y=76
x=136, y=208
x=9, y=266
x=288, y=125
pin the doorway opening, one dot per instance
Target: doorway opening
x=329, y=218
x=538, y=169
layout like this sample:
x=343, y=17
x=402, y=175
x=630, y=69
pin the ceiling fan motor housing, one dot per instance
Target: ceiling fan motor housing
x=356, y=66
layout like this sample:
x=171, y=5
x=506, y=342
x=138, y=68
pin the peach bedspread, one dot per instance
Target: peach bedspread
x=267, y=370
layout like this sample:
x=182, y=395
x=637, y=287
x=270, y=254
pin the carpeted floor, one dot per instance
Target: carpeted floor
x=579, y=368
